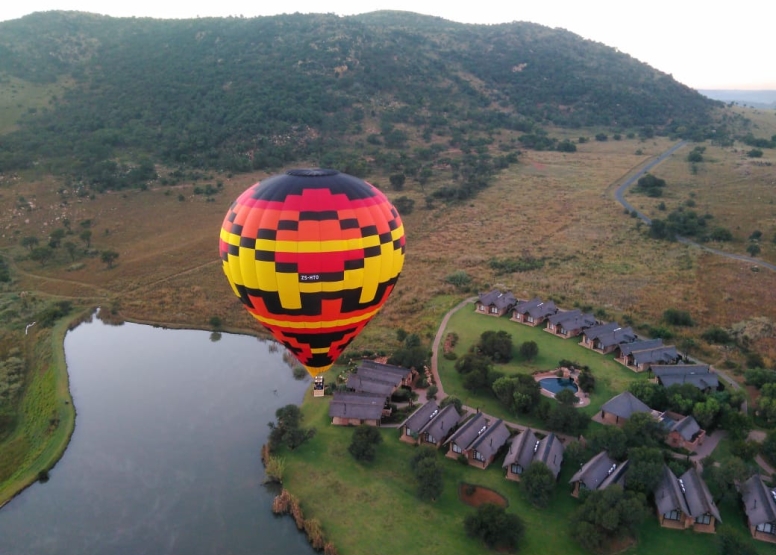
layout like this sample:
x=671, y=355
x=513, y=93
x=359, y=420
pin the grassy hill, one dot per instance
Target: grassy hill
x=355, y=92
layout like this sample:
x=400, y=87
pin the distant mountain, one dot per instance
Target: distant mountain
x=755, y=99
x=236, y=93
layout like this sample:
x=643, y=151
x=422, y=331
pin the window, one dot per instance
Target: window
x=457, y=449
x=430, y=439
x=766, y=527
x=529, y=319
x=478, y=456
x=671, y=515
x=494, y=310
x=703, y=519
x=407, y=431
x=517, y=469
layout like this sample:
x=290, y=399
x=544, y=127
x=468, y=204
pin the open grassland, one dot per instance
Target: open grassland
x=552, y=206
x=611, y=377
x=374, y=508
x=738, y=191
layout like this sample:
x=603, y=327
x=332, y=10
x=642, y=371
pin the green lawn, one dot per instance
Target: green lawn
x=372, y=508
x=611, y=377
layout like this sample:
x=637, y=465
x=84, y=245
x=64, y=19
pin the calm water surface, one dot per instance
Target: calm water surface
x=165, y=454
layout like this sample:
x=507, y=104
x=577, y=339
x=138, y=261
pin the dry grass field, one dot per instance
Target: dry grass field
x=553, y=206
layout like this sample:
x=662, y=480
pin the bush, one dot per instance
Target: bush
x=459, y=279
x=493, y=525
x=364, y=444
x=529, y=350
x=676, y=317
x=717, y=335
x=431, y=392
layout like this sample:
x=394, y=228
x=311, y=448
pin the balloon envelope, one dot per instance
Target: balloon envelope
x=313, y=254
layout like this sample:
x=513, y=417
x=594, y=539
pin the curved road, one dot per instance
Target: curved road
x=628, y=183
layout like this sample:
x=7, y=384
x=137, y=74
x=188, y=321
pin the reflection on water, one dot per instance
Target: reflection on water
x=165, y=454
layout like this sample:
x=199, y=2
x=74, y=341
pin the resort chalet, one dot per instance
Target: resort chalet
x=618, y=409
x=598, y=473
x=526, y=448
x=685, y=432
x=642, y=360
x=533, y=312
x=590, y=335
x=478, y=440
x=699, y=375
x=685, y=502
x=569, y=324
x=354, y=409
x=430, y=424
x=760, y=508
x=495, y=303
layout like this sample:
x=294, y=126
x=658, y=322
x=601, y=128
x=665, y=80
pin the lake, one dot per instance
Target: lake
x=165, y=457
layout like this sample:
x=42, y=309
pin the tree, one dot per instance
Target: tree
x=428, y=473
x=397, y=181
x=496, y=345
x=30, y=242
x=410, y=357
x=606, y=515
x=451, y=400
x=707, y=412
x=55, y=239
x=753, y=249
x=405, y=205
x=86, y=237
x=722, y=479
x=566, y=419
x=493, y=525
x=364, y=444
x=644, y=431
x=610, y=439
x=71, y=249
x=41, y=254
x=769, y=447
x=732, y=542
x=645, y=469
x=538, y=481
x=566, y=397
x=109, y=257
x=519, y=393
x=529, y=350
x=678, y=317
x=288, y=430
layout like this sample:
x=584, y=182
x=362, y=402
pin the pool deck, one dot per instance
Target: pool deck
x=584, y=399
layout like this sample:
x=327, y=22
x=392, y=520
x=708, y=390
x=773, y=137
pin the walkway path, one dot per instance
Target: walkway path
x=628, y=183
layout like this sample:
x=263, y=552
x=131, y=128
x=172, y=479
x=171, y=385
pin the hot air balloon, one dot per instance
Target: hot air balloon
x=313, y=254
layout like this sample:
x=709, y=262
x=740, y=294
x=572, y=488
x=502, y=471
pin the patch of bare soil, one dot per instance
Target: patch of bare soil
x=478, y=495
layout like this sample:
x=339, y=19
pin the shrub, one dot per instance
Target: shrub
x=493, y=525
x=431, y=392
x=459, y=279
x=676, y=317
x=364, y=444
x=529, y=350
x=716, y=335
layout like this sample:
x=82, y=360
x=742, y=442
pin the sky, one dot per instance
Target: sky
x=705, y=45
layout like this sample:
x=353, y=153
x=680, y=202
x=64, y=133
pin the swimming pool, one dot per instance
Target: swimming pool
x=555, y=385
